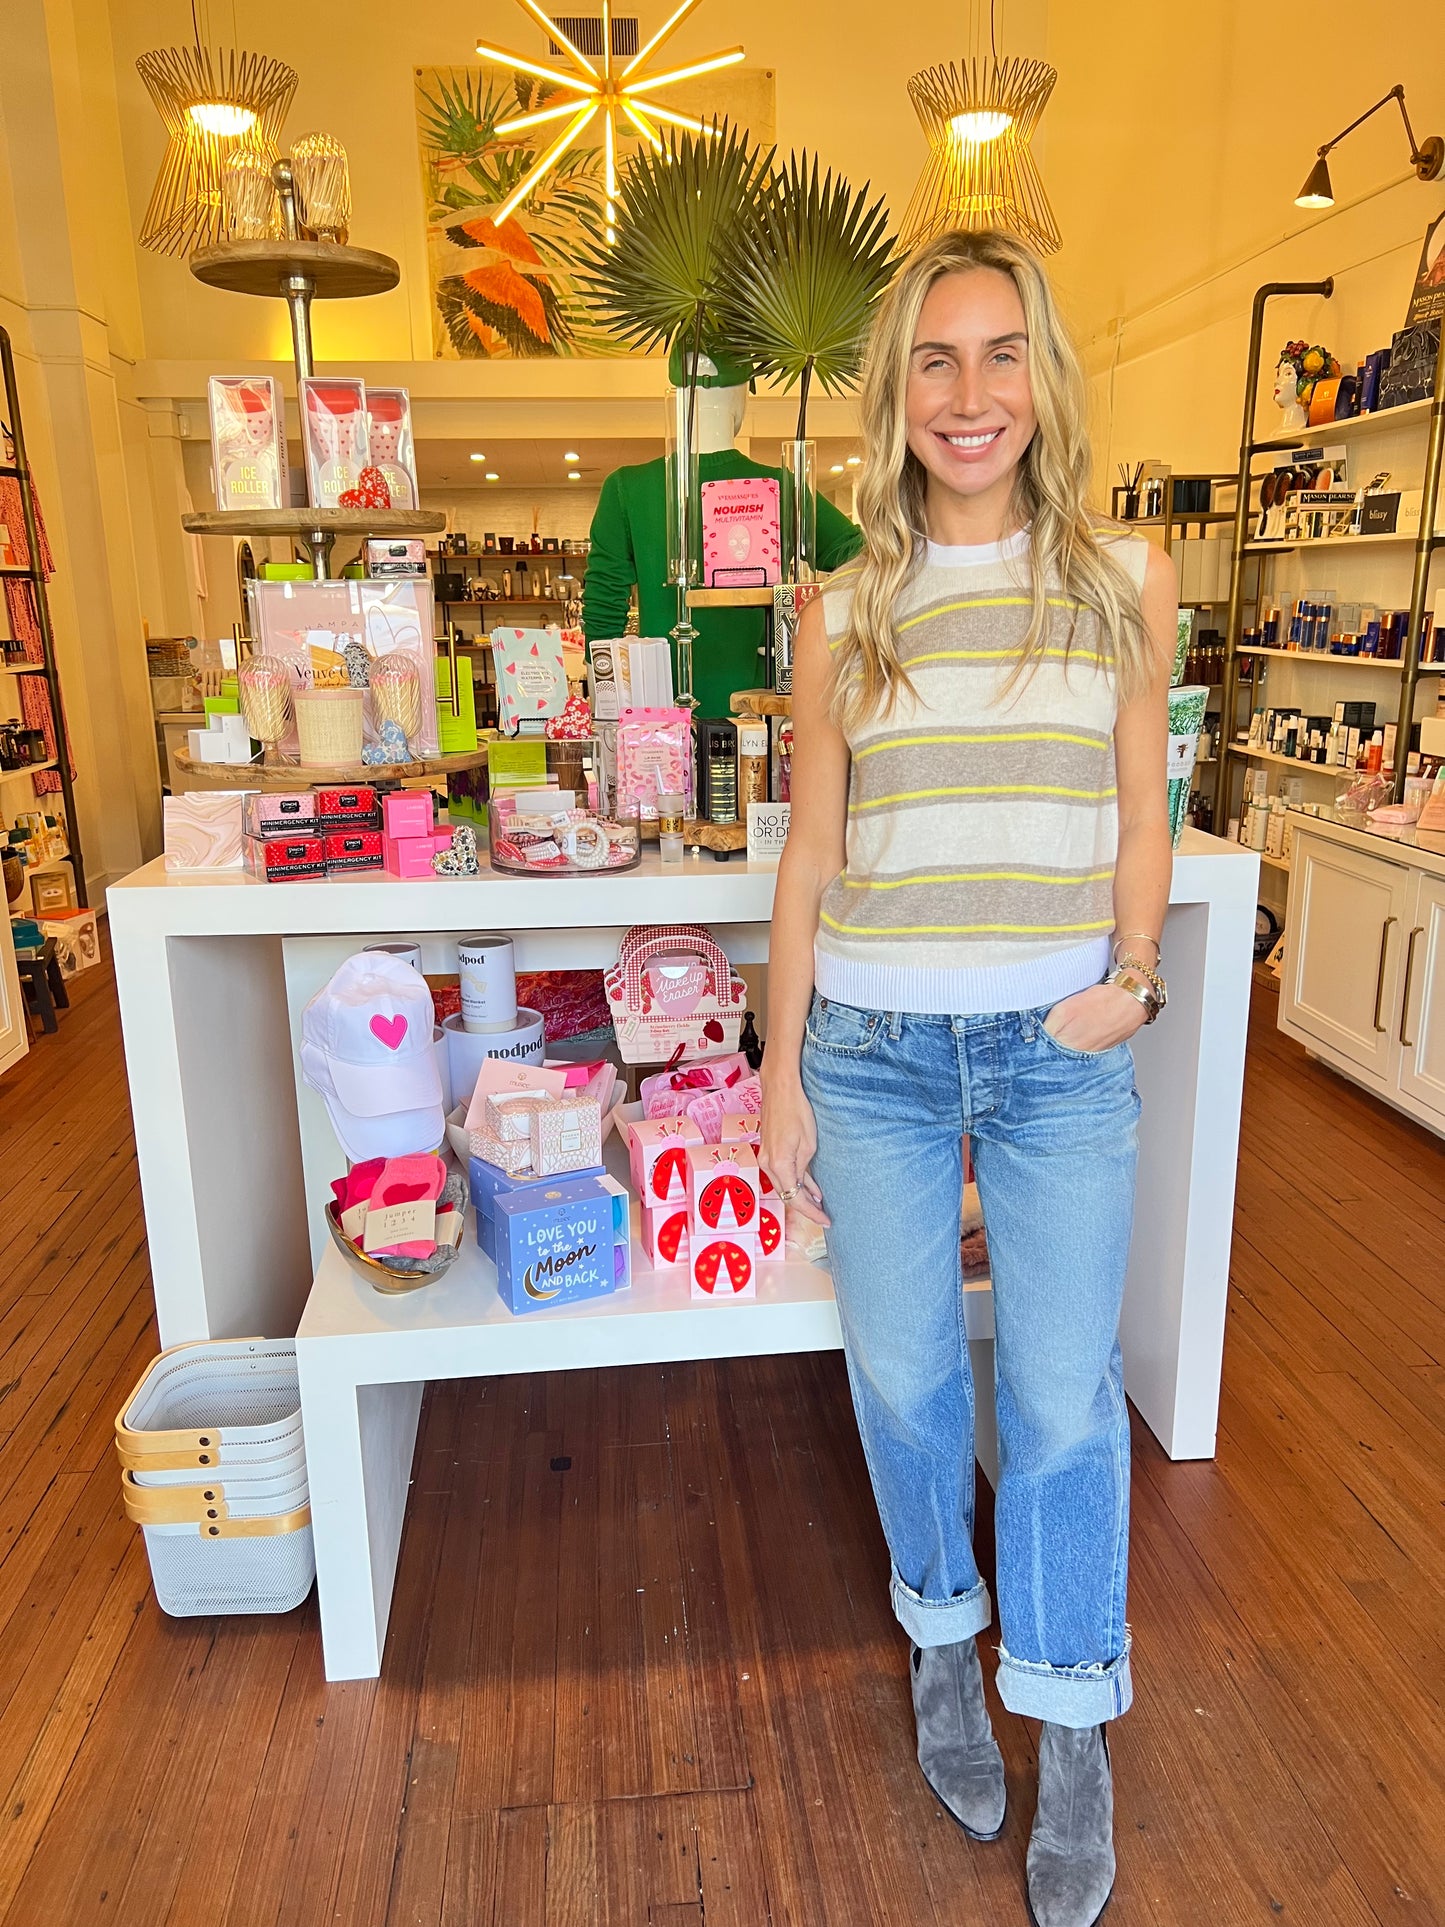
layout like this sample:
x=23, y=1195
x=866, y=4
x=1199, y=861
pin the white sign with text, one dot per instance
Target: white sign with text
x=767, y=829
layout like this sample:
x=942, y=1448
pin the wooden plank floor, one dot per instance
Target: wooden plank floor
x=641, y=1669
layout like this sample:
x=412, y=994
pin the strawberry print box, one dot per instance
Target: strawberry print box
x=659, y=1151
x=725, y=1191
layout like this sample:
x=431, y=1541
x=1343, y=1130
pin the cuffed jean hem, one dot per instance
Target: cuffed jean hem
x=941, y=1622
x=1066, y=1695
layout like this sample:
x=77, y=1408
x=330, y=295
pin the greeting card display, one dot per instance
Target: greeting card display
x=334, y=436
x=248, y=442
x=329, y=634
x=531, y=682
x=673, y=994
x=393, y=454
x=741, y=533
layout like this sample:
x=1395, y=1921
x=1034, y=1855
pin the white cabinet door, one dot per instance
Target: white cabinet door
x=14, y=1030
x=1421, y=1029
x=1344, y=948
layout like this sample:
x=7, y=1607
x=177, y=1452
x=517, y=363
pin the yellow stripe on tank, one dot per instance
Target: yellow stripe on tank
x=984, y=736
x=964, y=929
x=990, y=602
x=986, y=789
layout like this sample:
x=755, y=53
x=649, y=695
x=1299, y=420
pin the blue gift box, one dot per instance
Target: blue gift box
x=555, y=1243
x=489, y=1182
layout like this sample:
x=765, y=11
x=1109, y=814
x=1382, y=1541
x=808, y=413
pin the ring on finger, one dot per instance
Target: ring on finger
x=791, y=1193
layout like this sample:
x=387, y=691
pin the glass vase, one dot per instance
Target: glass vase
x=684, y=529
x=253, y=213
x=322, y=185
x=800, y=511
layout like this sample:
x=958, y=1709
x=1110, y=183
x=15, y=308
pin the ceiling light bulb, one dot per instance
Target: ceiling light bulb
x=492, y=476
x=571, y=456
x=574, y=475
x=982, y=124
x=477, y=458
x=854, y=460
x=836, y=469
x=222, y=117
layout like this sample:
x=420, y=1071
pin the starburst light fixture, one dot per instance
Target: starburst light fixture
x=618, y=96
x=979, y=116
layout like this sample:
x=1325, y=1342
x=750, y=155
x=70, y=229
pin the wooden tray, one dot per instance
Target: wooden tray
x=263, y=267
x=760, y=702
x=306, y=522
x=723, y=839
x=300, y=776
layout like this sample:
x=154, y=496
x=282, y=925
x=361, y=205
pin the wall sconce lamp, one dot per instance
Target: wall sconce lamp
x=1427, y=157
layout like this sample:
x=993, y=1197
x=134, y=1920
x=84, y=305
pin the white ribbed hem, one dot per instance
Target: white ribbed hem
x=960, y=990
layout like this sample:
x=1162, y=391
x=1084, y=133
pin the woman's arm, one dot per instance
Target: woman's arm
x=1104, y=1015
x=812, y=856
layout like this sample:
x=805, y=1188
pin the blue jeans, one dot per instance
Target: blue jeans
x=1054, y=1135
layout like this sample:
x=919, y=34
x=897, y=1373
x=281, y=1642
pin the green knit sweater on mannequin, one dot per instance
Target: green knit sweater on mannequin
x=629, y=545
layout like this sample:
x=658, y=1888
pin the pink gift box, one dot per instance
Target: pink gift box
x=408, y=813
x=409, y=856
x=746, y=1128
x=565, y=1134
x=659, y=1150
x=665, y=1235
x=725, y=1267
x=725, y=1190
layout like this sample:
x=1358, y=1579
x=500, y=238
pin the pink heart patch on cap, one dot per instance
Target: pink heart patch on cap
x=389, y=1030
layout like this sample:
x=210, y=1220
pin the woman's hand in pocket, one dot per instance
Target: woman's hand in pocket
x=1095, y=1019
x=790, y=1137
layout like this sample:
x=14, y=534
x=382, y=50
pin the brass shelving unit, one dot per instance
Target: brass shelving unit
x=1424, y=544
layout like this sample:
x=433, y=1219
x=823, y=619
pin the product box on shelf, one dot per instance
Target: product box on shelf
x=396, y=554
x=411, y=856
x=408, y=813
x=789, y=601
x=725, y=1190
x=318, y=629
x=283, y=859
x=741, y=533
x=248, y=442
x=488, y=1182
x=531, y=680
x=725, y=1267
x=352, y=850
x=621, y=1231
x=204, y=829
x=565, y=1134
x=555, y=1244
x=665, y=1235
x=658, y=1148
x=348, y=809
x=673, y=990
x=335, y=439
x=388, y=416
x=456, y=729
x=290, y=814
x=654, y=758
x=77, y=941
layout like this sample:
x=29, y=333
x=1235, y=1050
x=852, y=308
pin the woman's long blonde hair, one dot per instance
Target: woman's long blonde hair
x=1064, y=538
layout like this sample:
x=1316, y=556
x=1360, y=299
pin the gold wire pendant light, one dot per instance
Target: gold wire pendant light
x=979, y=116
x=213, y=105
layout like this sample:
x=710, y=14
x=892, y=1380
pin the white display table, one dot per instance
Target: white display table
x=213, y=971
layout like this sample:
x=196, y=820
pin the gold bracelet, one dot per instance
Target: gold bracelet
x=1124, y=937
x=1130, y=962
x=1137, y=987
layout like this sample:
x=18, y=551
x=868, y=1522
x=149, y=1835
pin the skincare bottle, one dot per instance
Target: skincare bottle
x=669, y=828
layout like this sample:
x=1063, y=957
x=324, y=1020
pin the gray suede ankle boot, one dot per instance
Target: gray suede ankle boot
x=1071, y=1852
x=956, y=1748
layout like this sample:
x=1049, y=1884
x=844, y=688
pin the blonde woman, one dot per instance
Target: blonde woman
x=965, y=937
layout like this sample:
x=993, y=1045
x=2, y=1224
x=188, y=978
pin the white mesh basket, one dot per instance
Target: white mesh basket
x=234, y=1573
x=219, y=1402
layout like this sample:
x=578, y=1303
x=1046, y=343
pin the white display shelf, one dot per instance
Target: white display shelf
x=1273, y=862
x=1378, y=422
x=26, y=769
x=1336, y=542
x=1286, y=762
x=1393, y=663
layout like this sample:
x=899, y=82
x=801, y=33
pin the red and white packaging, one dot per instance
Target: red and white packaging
x=665, y=1235
x=725, y=1267
x=659, y=1150
x=388, y=416
x=248, y=442
x=334, y=436
x=725, y=1191
x=770, y=1230
x=746, y=1128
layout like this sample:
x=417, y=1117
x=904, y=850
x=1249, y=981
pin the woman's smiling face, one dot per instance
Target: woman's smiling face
x=970, y=405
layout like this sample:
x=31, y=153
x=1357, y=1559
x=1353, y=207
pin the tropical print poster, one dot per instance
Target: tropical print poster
x=511, y=292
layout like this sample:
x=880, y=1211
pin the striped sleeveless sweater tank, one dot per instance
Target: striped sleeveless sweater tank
x=982, y=827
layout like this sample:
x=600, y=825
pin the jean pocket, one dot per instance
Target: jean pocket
x=1081, y=1056
x=841, y=1030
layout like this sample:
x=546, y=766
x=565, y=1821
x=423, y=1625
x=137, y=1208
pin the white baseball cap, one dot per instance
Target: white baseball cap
x=367, y=1049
